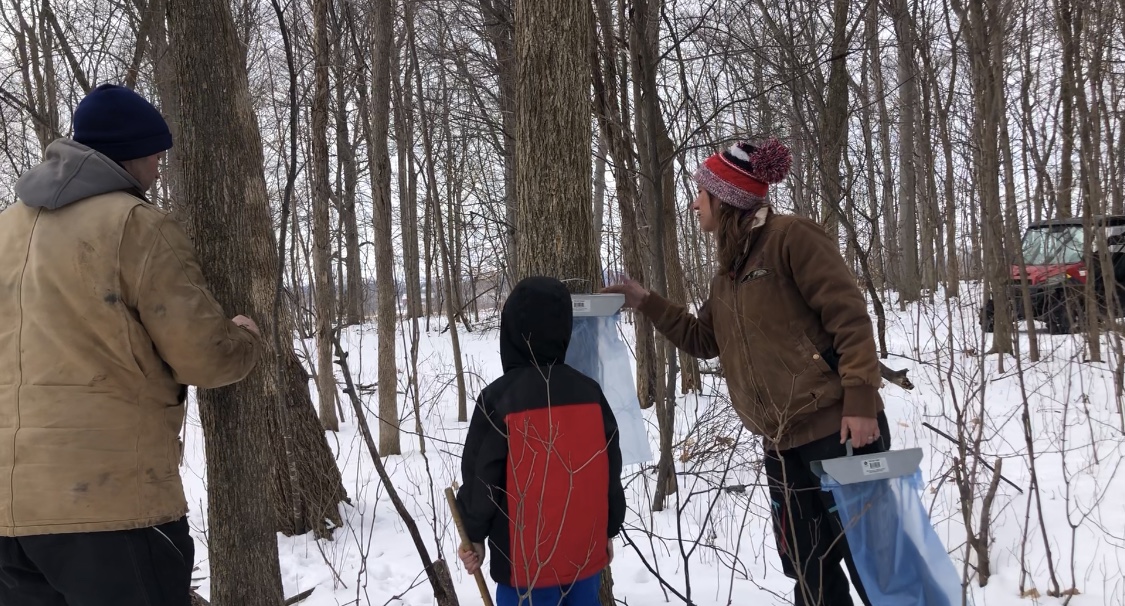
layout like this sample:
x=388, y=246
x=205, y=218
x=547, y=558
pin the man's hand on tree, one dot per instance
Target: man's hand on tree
x=247, y=323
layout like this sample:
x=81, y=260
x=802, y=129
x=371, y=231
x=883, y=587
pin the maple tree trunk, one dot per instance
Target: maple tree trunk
x=552, y=104
x=269, y=467
x=221, y=159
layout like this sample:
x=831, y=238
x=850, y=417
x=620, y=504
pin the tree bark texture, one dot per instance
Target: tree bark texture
x=834, y=121
x=910, y=276
x=321, y=211
x=258, y=429
x=221, y=157
x=554, y=223
x=382, y=45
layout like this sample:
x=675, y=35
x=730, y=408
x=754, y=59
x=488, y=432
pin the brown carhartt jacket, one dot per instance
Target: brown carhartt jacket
x=104, y=318
x=793, y=308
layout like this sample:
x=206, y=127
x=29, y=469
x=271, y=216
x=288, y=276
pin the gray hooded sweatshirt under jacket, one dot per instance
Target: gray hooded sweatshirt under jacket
x=71, y=172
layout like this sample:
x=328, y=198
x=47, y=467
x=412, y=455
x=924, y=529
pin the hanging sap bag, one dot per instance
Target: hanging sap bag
x=899, y=557
x=597, y=350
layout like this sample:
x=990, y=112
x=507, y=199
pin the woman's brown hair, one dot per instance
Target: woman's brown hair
x=734, y=228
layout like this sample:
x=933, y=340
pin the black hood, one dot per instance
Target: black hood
x=535, y=324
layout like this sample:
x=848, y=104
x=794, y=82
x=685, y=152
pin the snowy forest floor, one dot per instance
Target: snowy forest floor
x=713, y=542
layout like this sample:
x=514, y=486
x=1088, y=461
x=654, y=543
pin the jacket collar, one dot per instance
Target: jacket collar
x=762, y=217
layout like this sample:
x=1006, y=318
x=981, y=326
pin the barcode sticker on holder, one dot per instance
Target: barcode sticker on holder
x=580, y=305
x=873, y=467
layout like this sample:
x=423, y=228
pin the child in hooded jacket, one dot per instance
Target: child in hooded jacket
x=541, y=467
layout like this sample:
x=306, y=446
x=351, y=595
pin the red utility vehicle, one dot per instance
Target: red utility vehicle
x=1058, y=268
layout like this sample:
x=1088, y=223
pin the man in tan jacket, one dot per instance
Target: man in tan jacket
x=105, y=318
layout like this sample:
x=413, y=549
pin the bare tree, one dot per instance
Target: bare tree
x=611, y=111
x=910, y=279
x=382, y=47
x=984, y=36
x=552, y=91
x=322, y=241
x=352, y=289
x=222, y=160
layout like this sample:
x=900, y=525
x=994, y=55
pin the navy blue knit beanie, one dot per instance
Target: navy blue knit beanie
x=120, y=124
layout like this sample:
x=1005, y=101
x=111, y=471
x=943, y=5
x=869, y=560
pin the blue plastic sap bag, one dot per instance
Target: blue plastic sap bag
x=597, y=350
x=900, y=558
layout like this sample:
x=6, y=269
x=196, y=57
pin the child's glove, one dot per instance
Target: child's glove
x=472, y=557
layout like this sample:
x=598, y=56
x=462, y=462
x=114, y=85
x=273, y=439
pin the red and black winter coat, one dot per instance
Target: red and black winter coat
x=541, y=467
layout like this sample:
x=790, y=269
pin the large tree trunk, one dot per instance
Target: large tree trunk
x=322, y=238
x=221, y=155
x=552, y=104
x=554, y=42
x=266, y=424
x=382, y=45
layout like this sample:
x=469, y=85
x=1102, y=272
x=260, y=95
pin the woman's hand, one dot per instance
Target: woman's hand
x=634, y=293
x=863, y=430
x=472, y=557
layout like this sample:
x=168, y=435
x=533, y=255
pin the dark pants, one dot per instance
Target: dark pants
x=143, y=567
x=810, y=537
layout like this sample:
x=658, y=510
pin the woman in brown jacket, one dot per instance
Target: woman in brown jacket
x=797, y=349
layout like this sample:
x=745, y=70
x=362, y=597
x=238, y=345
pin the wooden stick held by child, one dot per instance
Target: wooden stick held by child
x=467, y=544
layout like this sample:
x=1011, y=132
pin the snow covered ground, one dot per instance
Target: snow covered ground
x=719, y=547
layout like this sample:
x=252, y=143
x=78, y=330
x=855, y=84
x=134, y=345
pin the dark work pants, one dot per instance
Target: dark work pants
x=810, y=537
x=143, y=567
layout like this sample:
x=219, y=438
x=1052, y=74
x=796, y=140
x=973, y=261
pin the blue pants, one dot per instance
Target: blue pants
x=581, y=593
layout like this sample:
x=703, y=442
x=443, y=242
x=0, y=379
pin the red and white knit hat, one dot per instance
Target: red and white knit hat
x=741, y=175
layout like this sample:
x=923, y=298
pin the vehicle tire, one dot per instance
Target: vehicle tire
x=1065, y=316
x=988, y=317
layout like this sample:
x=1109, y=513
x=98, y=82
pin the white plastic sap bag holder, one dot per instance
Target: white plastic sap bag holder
x=597, y=350
x=900, y=558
